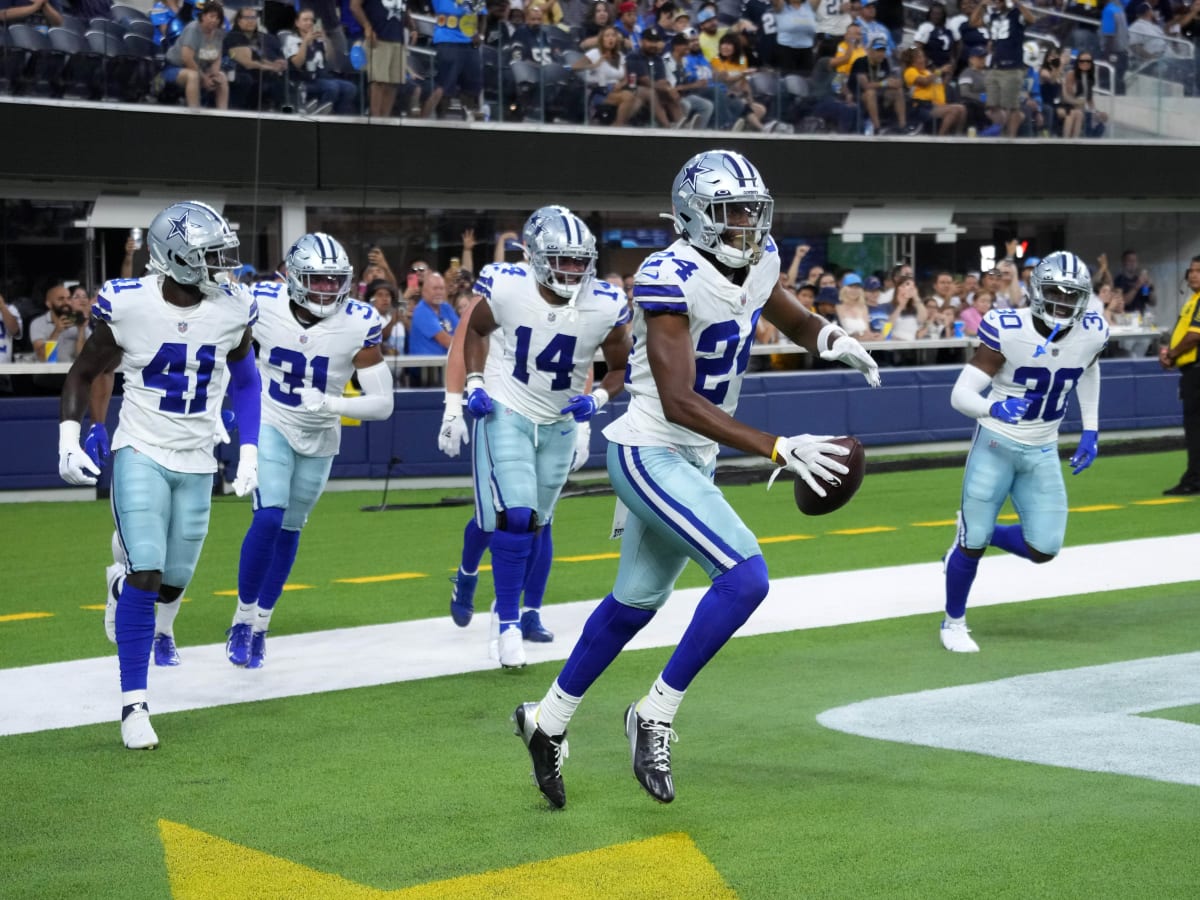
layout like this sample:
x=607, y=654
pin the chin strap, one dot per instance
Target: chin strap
x=1041, y=351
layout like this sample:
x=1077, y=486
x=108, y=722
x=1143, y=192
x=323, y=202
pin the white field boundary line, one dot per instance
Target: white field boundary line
x=85, y=692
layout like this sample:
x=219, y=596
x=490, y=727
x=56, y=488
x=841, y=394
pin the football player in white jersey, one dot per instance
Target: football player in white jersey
x=452, y=435
x=552, y=315
x=311, y=341
x=1029, y=362
x=173, y=334
x=696, y=305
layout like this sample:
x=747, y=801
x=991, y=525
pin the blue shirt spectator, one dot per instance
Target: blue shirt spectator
x=433, y=320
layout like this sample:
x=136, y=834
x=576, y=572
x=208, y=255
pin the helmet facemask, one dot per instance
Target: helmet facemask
x=318, y=274
x=740, y=229
x=1060, y=290
x=561, y=251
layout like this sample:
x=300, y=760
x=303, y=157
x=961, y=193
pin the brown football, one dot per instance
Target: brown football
x=836, y=495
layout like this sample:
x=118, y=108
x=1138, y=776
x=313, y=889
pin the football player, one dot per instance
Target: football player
x=696, y=305
x=1029, y=362
x=452, y=435
x=173, y=334
x=552, y=316
x=311, y=340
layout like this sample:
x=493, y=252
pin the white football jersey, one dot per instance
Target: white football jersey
x=721, y=317
x=174, y=366
x=1043, y=373
x=547, y=349
x=292, y=356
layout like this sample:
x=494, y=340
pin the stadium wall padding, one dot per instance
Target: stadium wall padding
x=912, y=407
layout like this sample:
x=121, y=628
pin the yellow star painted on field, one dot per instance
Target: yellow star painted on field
x=202, y=867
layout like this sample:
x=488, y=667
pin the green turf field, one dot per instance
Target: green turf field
x=419, y=789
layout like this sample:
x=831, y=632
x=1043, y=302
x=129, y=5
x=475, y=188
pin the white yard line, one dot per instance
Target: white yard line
x=84, y=692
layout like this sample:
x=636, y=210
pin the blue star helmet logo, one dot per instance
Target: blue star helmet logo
x=694, y=171
x=178, y=227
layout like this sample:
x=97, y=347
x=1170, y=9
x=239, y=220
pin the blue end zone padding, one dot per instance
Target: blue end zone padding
x=912, y=407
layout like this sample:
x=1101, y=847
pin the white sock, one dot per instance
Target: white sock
x=468, y=574
x=661, y=704
x=164, y=617
x=245, y=612
x=262, y=621
x=128, y=698
x=556, y=709
x=961, y=620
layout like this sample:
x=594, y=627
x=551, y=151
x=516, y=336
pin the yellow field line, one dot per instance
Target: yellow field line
x=876, y=529
x=1100, y=507
x=784, y=538
x=941, y=523
x=590, y=557
x=375, y=579
x=1161, y=502
x=21, y=617
x=286, y=587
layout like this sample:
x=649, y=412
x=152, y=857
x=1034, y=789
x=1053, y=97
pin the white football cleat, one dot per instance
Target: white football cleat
x=512, y=648
x=956, y=636
x=136, y=730
x=112, y=575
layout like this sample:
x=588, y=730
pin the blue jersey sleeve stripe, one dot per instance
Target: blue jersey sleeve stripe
x=104, y=313
x=660, y=306
x=657, y=290
x=253, y=312
x=989, y=340
x=625, y=316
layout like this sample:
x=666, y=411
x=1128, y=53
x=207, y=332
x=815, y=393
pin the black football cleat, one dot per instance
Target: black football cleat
x=650, y=745
x=1183, y=489
x=546, y=751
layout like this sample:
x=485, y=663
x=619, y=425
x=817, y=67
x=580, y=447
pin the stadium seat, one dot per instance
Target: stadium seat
x=127, y=14
x=141, y=28
x=81, y=74
x=764, y=86
x=138, y=63
x=104, y=40
x=36, y=64
x=527, y=79
x=75, y=24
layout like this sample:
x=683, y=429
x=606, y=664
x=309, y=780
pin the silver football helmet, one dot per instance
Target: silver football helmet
x=720, y=204
x=318, y=274
x=193, y=244
x=1060, y=289
x=561, y=249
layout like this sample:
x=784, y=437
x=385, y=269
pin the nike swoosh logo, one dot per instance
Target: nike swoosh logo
x=653, y=275
x=1047, y=449
x=565, y=433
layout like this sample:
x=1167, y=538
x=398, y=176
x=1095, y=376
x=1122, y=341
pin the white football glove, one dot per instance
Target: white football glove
x=74, y=465
x=453, y=432
x=247, y=470
x=312, y=399
x=811, y=457
x=583, y=445
x=850, y=352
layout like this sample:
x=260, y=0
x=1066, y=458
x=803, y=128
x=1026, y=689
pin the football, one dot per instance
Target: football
x=836, y=495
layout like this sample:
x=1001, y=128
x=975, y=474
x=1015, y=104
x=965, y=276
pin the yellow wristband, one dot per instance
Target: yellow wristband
x=775, y=453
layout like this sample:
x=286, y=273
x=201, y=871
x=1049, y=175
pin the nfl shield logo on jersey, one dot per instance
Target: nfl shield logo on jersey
x=181, y=327
x=304, y=338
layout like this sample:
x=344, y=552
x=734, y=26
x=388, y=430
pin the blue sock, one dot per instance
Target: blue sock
x=722, y=610
x=135, y=635
x=258, y=548
x=960, y=575
x=281, y=566
x=539, y=569
x=1010, y=539
x=475, y=544
x=510, y=559
x=607, y=630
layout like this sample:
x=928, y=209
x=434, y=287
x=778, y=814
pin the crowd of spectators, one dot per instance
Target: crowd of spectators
x=987, y=67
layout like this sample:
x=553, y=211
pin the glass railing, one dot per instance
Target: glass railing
x=545, y=82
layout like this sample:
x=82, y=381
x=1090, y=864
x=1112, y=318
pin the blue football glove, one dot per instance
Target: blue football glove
x=1085, y=454
x=582, y=407
x=96, y=445
x=1011, y=410
x=479, y=404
